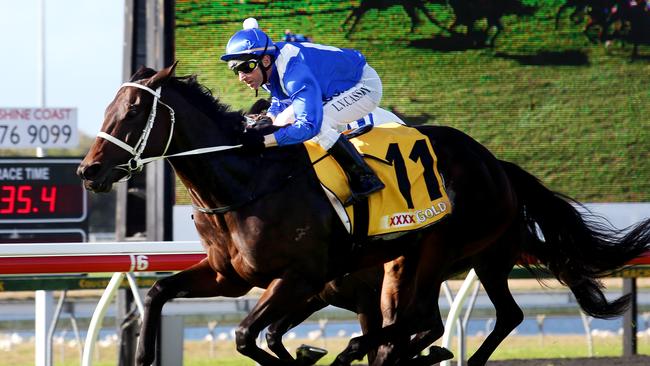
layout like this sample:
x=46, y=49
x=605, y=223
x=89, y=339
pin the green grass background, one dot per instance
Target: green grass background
x=583, y=129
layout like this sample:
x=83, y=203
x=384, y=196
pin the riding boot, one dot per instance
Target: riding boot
x=363, y=180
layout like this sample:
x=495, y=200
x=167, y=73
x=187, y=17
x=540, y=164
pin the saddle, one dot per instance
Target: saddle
x=405, y=161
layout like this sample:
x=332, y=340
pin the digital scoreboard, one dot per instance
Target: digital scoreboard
x=17, y=236
x=41, y=191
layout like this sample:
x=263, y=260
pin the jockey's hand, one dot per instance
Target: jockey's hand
x=259, y=120
x=252, y=141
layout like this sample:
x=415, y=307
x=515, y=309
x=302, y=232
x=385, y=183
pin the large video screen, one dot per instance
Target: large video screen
x=567, y=106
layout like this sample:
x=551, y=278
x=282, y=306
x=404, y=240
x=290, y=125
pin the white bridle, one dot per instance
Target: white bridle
x=136, y=163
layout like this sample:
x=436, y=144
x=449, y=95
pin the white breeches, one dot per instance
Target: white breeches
x=343, y=108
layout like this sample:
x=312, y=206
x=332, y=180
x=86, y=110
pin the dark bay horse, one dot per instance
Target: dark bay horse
x=265, y=221
x=522, y=243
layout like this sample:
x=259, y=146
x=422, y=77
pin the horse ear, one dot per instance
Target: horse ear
x=162, y=76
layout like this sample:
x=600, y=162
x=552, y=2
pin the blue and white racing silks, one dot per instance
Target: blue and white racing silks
x=307, y=75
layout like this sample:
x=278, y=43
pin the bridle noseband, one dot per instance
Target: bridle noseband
x=136, y=163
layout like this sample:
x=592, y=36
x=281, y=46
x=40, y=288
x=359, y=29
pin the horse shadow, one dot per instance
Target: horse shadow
x=549, y=58
x=450, y=43
x=413, y=120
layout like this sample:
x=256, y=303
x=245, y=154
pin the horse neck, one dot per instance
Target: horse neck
x=216, y=179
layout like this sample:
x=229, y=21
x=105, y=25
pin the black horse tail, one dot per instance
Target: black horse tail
x=574, y=247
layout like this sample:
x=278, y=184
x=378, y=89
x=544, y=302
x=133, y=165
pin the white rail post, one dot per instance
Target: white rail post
x=455, y=310
x=98, y=317
x=44, y=312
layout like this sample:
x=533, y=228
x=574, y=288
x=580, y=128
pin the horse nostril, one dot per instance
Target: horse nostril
x=89, y=171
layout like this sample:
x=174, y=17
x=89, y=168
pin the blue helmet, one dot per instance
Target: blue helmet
x=248, y=43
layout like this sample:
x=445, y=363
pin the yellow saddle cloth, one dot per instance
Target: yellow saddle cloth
x=404, y=160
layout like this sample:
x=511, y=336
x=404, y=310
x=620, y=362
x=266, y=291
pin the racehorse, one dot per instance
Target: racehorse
x=265, y=221
x=630, y=20
x=468, y=12
x=359, y=291
x=410, y=6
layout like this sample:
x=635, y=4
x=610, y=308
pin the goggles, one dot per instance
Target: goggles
x=245, y=66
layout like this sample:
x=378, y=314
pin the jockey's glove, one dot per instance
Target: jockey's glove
x=252, y=141
x=258, y=120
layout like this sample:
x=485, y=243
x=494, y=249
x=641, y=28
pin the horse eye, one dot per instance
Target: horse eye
x=133, y=111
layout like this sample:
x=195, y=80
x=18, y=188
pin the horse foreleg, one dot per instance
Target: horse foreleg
x=419, y=309
x=284, y=295
x=432, y=19
x=390, y=294
x=410, y=11
x=394, y=295
x=196, y=281
x=558, y=15
x=370, y=321
x=347, y=19
x=356, y=15
x=369, y=314
x=398, y=308
x=276, y=330
x=425, y=338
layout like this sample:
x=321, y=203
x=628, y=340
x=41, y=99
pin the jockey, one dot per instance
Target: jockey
x=294, y=37
x=313, y=89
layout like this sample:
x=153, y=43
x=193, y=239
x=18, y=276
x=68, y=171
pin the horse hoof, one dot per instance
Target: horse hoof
x=143, y=362
x=441, y=353
x=436, y=355
x=308, y=355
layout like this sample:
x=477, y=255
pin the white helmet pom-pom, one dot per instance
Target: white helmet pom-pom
x=250, y=23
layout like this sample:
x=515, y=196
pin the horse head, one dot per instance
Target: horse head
x=132, y=129
x=157, y=116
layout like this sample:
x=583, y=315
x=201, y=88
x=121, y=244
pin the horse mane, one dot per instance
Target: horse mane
x=142, y=73
x=202, y=98
x=198, y=94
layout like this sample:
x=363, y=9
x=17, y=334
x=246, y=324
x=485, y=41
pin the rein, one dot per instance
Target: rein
x=223, y=209
x=136, y=163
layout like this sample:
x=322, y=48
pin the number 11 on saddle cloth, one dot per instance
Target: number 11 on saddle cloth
x=404, y=160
